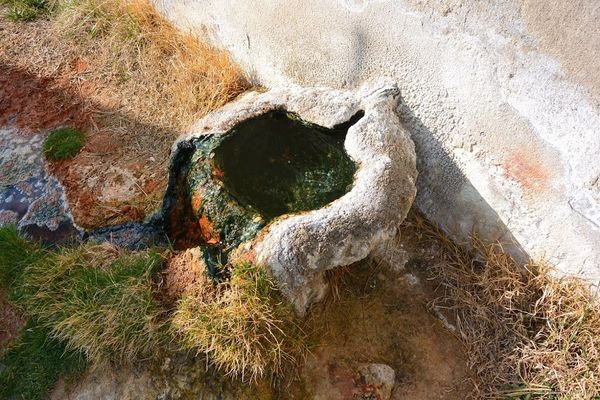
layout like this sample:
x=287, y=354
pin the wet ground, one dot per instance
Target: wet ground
x=29, y=195
x=390, y=326
x=111, y=180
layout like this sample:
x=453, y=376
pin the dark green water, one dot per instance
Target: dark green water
x=276, y=164
x=224, y=189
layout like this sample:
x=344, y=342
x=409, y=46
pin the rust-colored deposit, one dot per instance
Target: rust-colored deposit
x=34, y=104
x=182, y=227
x=527, y=170
x=105, y=186
x=185, y=273
x=209, y=233
x=217, y=172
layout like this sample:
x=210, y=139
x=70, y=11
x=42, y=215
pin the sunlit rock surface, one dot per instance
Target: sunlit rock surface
x=300, y=243
x=502, y=100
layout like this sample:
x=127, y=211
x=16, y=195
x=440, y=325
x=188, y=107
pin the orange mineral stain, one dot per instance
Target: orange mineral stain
x=527, y=170
x=208, y=232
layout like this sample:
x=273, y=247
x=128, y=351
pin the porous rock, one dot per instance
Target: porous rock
x=299, y=248
x=30, y=197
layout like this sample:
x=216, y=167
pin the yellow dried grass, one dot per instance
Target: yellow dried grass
x=528, y=333
x=148, y=70
x=244, y=326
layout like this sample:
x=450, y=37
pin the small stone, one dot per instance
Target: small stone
x=166, y=365
x=376, y=380
x=8, y=217
x=412, y=280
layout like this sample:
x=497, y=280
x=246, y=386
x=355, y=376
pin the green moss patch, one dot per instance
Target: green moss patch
x=233, y=222
x=63, y=143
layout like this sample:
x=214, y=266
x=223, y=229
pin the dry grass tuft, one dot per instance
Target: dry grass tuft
x=335, y=278
x=127, y=61
x=154, y=73
x=528, y=334
x=243, y=325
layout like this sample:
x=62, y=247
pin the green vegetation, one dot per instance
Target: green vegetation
x=97, y=301
x=63, y=143
x=26, y=10
x=90, y=300
x=243, y=324
x=34, y=363
x=15, y=254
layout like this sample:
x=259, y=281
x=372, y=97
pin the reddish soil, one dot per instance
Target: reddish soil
x=209, y=234
x=34, y=104
x=185, y=273
x=90, y=176
x=106, y=183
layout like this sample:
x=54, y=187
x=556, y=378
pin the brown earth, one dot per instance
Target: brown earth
x=185, y=272
x=383, y=316
x=11, y=322
x=35, y=104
